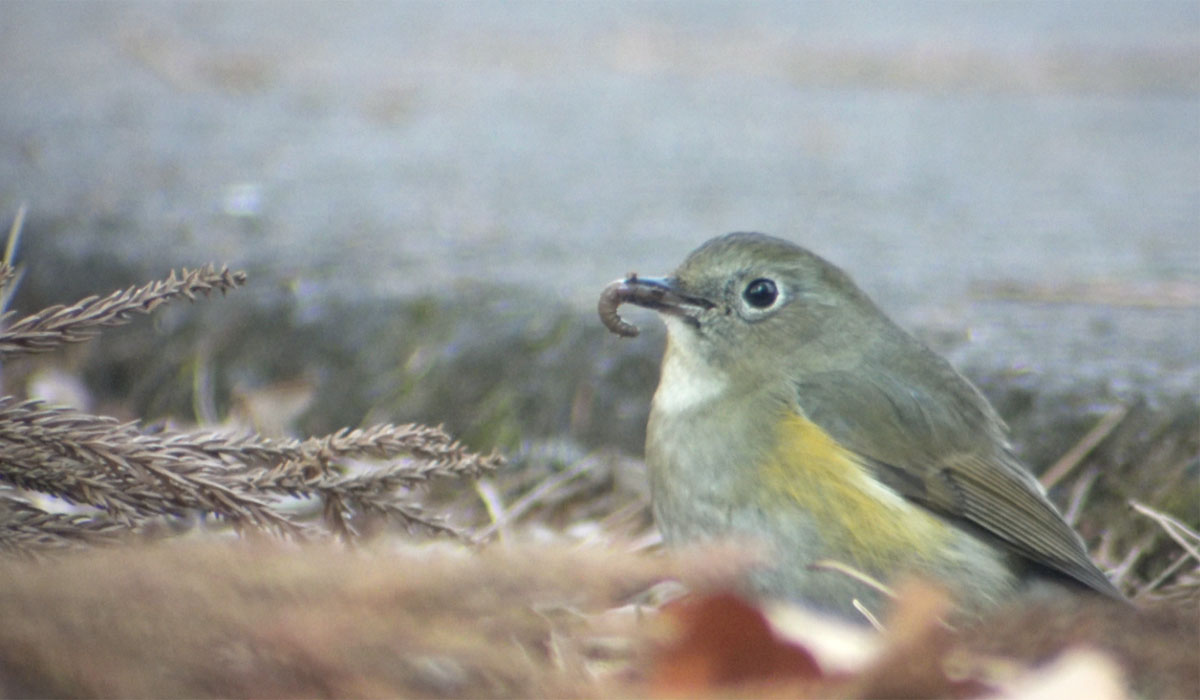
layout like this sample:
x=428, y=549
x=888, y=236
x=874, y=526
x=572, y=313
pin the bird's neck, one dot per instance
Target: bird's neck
x=687, y=383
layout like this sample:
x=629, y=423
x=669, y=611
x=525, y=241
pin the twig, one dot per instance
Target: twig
x=1078, y=495
x=1076, y=454
x=530, y=499
x=14, y=236
x=1121, y=569
x=493, y=500
x=862, y=609
x=1165, y=574
x=1183, y=535
x=9, y=274
x=847, y=570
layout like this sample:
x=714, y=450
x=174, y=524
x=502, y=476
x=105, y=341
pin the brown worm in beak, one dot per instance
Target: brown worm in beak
x=615, y=294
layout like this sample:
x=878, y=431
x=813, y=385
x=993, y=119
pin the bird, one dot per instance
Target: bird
x=791, y=412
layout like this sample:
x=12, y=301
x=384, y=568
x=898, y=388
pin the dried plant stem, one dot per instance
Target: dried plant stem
x=530, y=499
x=25, y=529
x=1183, y=535
x=1165, y=574
x=14, y=236
x=131, y=476
x=866, y=613
x=1084, y=447
x=79, y=322
x=1079, y=494
x=1117, y=573
x=847, y=570
x=112, y=466
x=7, y=274
x=120, y=478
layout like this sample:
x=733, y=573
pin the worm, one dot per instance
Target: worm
x=613, y=296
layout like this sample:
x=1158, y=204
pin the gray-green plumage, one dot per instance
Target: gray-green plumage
x=824, y=349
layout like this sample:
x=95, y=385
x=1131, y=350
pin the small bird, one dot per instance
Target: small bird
x=791, y=411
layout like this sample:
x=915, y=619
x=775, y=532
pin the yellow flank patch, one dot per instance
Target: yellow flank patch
x=859, y=517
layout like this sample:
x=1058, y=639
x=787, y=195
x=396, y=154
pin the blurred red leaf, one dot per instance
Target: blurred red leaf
x=722, y=641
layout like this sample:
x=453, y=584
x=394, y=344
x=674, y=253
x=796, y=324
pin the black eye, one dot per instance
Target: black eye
x=760, y=293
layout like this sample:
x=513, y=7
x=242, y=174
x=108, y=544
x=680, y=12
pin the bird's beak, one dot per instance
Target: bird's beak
x=661, y=294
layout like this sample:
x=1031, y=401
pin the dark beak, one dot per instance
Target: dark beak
x=660, y=294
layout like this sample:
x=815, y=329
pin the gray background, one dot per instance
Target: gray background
x=518, y=156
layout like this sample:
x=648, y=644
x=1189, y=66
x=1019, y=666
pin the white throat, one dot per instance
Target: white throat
x=687, y=381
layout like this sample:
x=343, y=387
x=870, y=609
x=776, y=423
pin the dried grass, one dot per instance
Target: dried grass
x=120, y=478
x=471, y=615
x=259, y=620
x=57, y=325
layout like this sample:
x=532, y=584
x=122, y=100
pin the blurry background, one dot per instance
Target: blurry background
x=430, y=196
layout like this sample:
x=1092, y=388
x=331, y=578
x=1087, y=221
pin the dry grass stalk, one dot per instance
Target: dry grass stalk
x=130, y=477
x=59, y=324
x=1076, y=454
x=121, y=478
x=543, y=492
x=1187, y=539
x=10, y=274
x=1184, y=536
x=27, y=529
x=7, y=274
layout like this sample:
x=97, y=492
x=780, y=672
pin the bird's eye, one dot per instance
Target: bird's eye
x=761, y=293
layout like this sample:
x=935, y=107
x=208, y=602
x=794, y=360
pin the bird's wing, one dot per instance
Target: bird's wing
x=987, y=495
x=945, y=450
